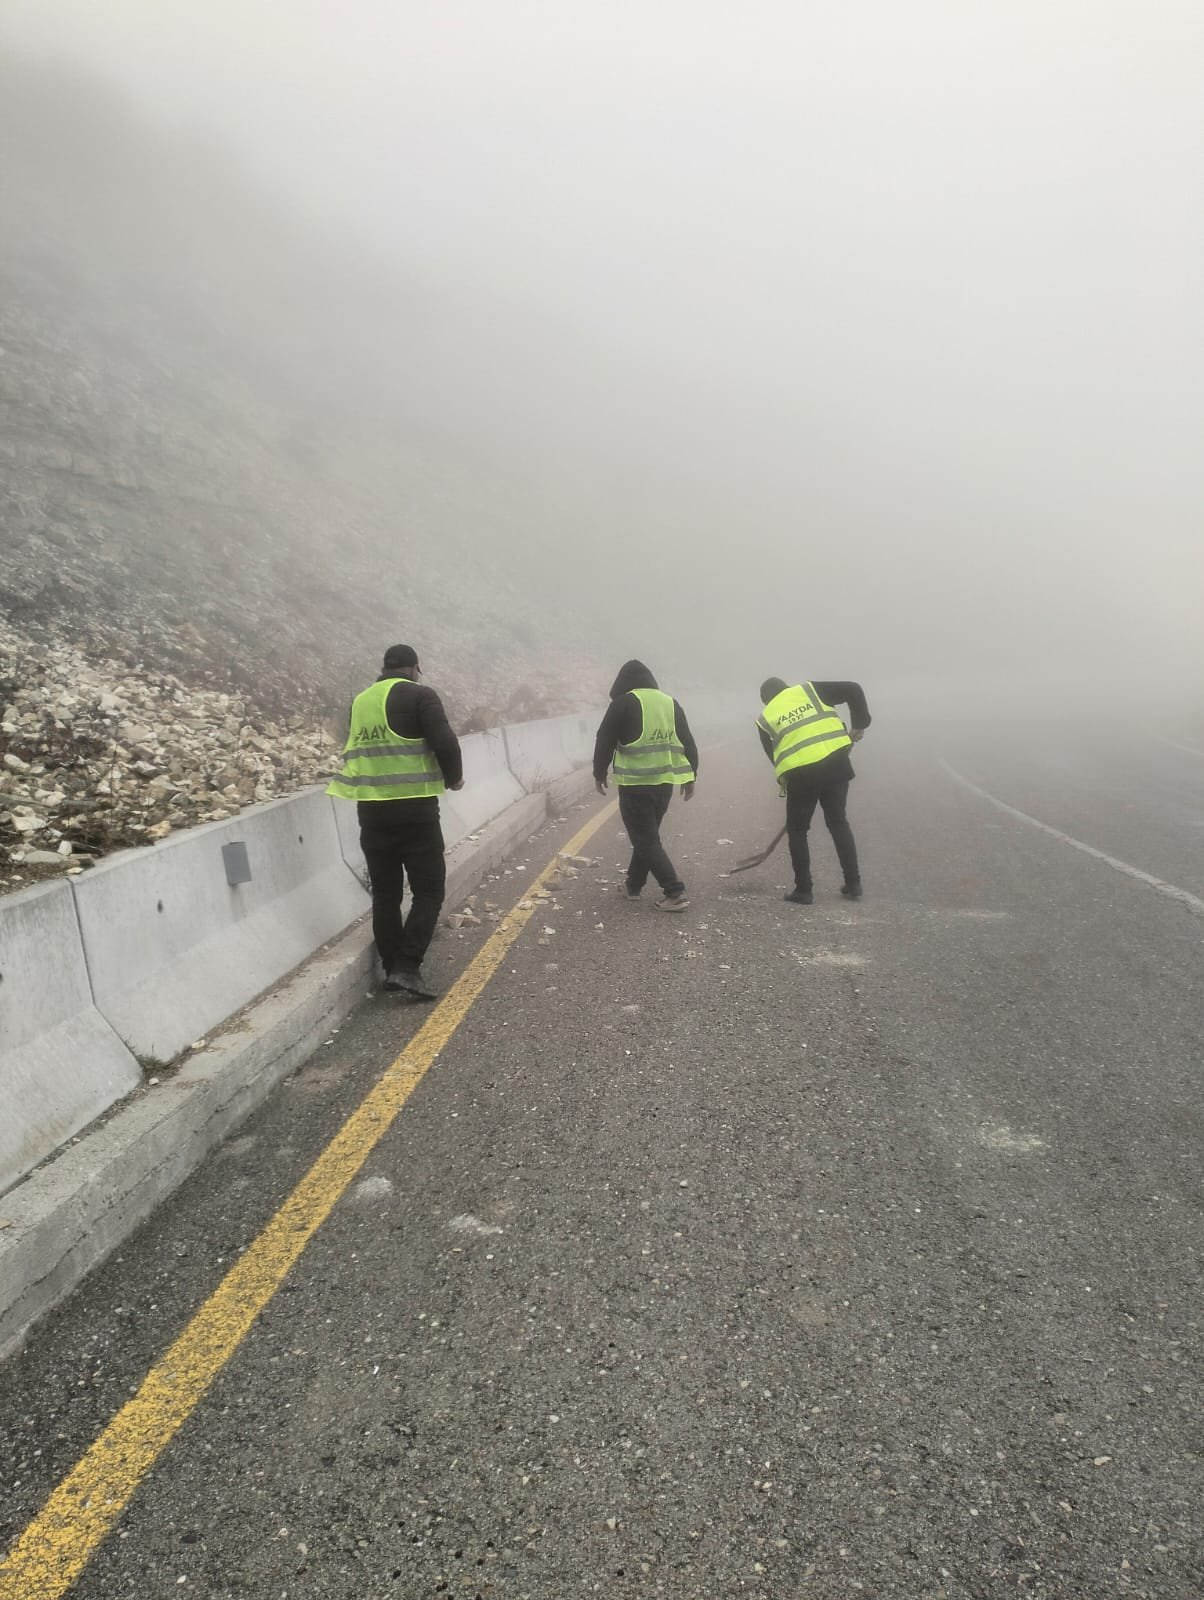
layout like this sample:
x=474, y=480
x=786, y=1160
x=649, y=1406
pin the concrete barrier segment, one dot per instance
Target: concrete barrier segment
x=347, y=826
x=489, y=787
x=539, y=752
x=470, y=860
x=565, y=792
x=173, y=949
x=68, y=1216
x=61, y=1064
x=579, y=737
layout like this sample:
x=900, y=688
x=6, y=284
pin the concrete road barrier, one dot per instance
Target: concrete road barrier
x=539, y=752
x=173, y=948
x=347, y=827
x=71, y=1213
x=489, y=787
x=61, y=1064
x=157, y=947
x=579, y=734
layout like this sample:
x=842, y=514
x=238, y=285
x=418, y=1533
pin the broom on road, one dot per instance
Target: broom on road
x=764, y=855
x=761, y=855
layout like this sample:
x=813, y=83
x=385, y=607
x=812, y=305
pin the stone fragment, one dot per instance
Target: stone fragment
x=44, y=858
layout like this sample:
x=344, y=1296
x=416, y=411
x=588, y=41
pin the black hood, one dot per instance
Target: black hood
x=632, y=675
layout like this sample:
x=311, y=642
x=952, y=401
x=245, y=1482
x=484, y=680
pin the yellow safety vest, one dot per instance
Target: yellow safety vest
x=803, y=729
x=657, y=755
x=379, y=764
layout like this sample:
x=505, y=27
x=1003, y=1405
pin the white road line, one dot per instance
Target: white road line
x=1191, y=749
x=1193, y=902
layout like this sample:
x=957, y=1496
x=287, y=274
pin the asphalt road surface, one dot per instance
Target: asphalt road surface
x=764, y=1250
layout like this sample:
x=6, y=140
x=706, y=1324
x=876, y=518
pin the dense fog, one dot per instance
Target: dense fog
x=852, y=339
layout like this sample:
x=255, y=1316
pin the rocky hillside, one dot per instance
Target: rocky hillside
x=222, y=491
x=95, y=755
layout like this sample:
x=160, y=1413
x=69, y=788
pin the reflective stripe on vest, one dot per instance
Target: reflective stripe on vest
x=657, y=755
x=803, y=729
x=379, y=764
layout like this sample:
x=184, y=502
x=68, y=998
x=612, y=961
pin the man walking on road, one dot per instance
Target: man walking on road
x=646, y=735
x=809, y=747
x=401, y=753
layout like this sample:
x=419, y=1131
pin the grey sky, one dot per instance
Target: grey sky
x=884, y=310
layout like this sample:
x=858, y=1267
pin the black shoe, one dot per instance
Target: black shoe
x=851, y=891
x=800, y=897
x=409, y=980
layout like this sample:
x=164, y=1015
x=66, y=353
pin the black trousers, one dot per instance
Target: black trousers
x=409, y=843
x=642, y=808
x=803, y=794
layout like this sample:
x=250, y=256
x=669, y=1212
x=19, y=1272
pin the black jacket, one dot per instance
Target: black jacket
x=837, y=767
x=414, y=711
x=624, y=719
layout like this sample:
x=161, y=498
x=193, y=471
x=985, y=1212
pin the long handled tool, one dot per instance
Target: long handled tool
x=762, y=855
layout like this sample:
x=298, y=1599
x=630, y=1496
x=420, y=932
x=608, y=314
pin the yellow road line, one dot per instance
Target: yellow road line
x=55, y=1547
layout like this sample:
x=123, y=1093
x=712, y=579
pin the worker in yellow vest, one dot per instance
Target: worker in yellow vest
x=646, y=737
x=809, y=745
x=400, y=756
